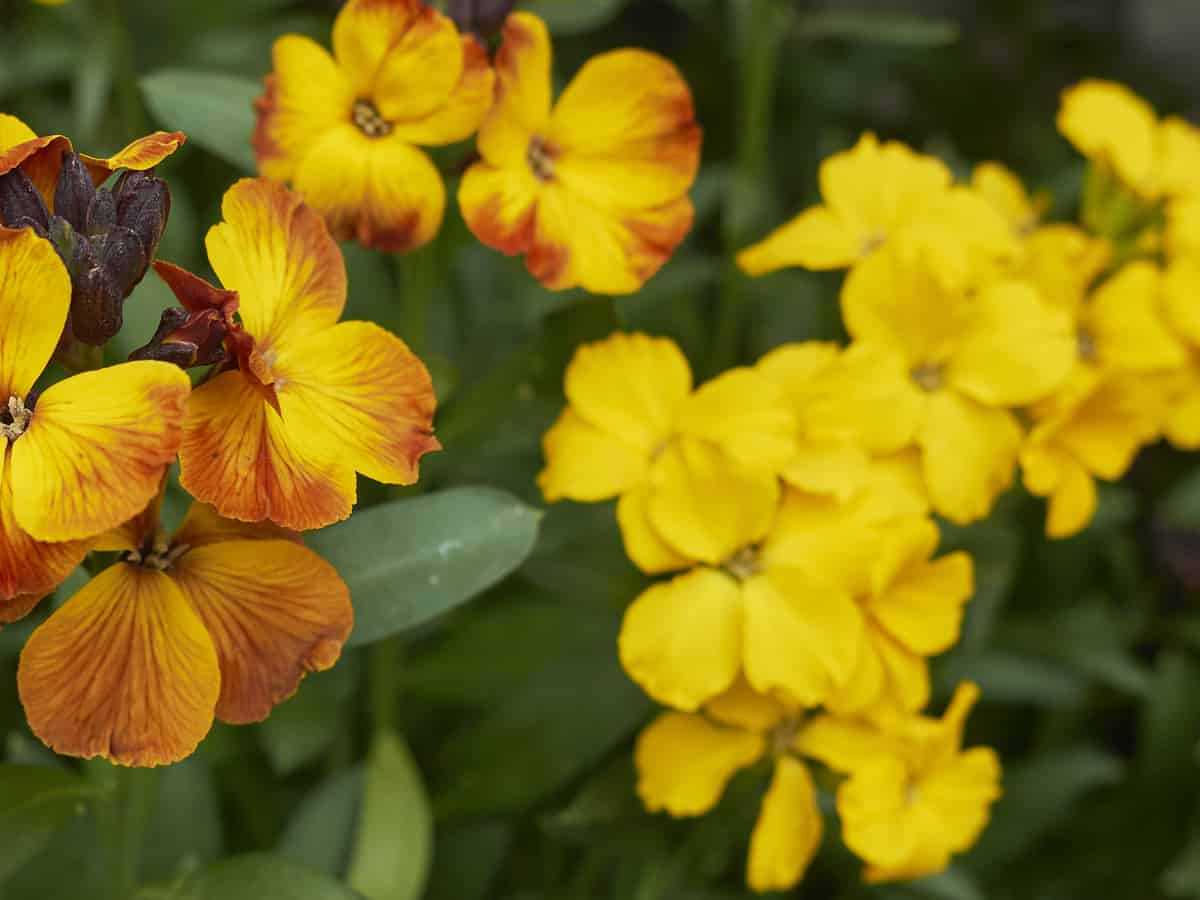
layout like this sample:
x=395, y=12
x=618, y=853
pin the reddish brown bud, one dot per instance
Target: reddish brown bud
x=187, y=339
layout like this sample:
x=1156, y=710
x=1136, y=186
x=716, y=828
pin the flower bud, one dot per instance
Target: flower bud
x=143, y=206
x=187, y=339
x=101, y=213
x=74, y=191
x=21, y=205
x=480, y=17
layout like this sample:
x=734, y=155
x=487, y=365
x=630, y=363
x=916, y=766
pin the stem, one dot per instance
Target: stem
x=384, y=669
x=418, y=277
x=122, y=818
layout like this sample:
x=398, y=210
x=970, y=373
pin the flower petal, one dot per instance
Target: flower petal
x=40, y=159
x=462, y=112
x=788, y=831
x=743, y=707
x=239, y=456
x=499, y=205
x=522, y=105
x=202, y=525
x=277, y=254
x=13, y=131
x=382, y=192
x=155, y=706
x=96, y=449
x=275, y=610
x=923, y=608
x=306, y=94
x=587, y=464
x=141, y=154
x=1127, y=324
x=876, y=824
x=960, y=795
x=365, y=31
x=1107, y=122
x=834, y=468
x=35, y=294
x=684, y=763
x=420, y=70
x=681, y=640
x=365, y=399
x=746, y=414
x=644, y=546
x=815, y=239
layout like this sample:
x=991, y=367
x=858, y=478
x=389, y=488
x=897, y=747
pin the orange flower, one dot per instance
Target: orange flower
x=222, y=620
x=306, y=401
x=344, y=129
x=594, y=192
x=87, y=452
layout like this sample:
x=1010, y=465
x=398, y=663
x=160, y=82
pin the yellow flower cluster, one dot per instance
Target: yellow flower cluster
x=804, y=599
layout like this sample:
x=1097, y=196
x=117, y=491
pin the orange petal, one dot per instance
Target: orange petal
x=420, y=70
x=96, y=448
x=365, y=31
x=463, y=110
x=13, y=131
x=125, y=670
x=382, y=192
x=35, y=294
x=144, y=153
x=40, y=159
x=278, y=255
x=306, y=93
x=499, y=205
x=203, y=525
x=522, y=105
x=193, y=292
x=274, y=609
x=238, y=455
x=365, y=398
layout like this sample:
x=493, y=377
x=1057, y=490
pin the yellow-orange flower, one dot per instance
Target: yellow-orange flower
x=221, y=620
x=346, y=129
x=594, y=190
x=311, y=401
x=83, y=455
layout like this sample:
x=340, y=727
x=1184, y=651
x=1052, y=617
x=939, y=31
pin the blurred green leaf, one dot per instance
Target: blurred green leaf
x=410, y=560
x=1008, y=677
x=1182, y=878
x=319, y=833
x=215, y=111
x=34, y=803
x=254, y=876
x=394, y=843
x=303, y=727
x=878, y=27
x=466, y=859
x=185, y=822
x=574, y=16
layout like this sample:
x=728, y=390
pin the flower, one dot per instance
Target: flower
x=83, y=455
x=345, y=129
x=594, y=190
x=1001, y=187
x=310, y=401
x=684, y=761
x=221, y=620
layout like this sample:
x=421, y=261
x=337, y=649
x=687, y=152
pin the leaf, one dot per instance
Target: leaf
x=35, y=802
x=574, y=16
x=878, y=28
x=303, y=727
x=467, y=859
x=255, y=876
x=411, y=560
x=394, y=845
x=1007, y=677
x=320, y=830
x=215, y=111
x=185, y=822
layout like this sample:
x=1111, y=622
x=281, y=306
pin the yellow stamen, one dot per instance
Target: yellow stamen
x=369, y=121
x=743, y=564
x=1085, y=343
x=15, y=419
x=540, y=157
x=927, y=376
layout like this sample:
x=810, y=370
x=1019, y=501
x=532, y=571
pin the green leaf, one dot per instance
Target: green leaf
x=411, y=560
x=302, y=728
x=185, y=822
x=467, y=859
x=574, y=16
x=394, y=845
x=878, y=28
x=254, y=876
x=1007, y=677
x=34, y=803
x=320, y=830
x=215, y=111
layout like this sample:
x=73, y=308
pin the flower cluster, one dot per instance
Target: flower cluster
x=804, y=598
x=223, y=617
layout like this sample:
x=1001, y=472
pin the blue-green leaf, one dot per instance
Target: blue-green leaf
x=215, y=111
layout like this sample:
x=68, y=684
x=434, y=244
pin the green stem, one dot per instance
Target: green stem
x=418, y=279
x=122, y=818
x=384, y=670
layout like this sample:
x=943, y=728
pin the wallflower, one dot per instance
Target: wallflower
x=345, y=129
x=874, y=194
x=913, y=797
x=1001, y=187
x=83, y=455
x=939, y=369
x=311, y=401
x=221, y=620
x=594, y=190
x=684, y=761
x=1180, y=388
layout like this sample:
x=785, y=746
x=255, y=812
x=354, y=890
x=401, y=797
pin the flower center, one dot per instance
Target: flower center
x=781, y=736
x=927, y=376
x=871, y=243
x=15, y=418
x=158, y=554
x=540, y=157
x=744, y=564
x=1085, y=344
x=369, y=121
x=912, y=793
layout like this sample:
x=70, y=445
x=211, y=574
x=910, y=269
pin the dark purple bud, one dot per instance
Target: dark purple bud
x=74, y=191
x=102, y=212
x=124, y=259
x=480, y=17
x=187, y=339
x=95, y=306
x=143, y=205
x=21, y=204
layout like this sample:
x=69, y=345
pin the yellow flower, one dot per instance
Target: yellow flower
x=1119, y=131
x=1004, y=191
x=220, y=620
x=875, y=194
x=939, y=370
x=1063, y=262
x=1179, y=389
x=913, y=797
x=311, y=401
x=81, y=456
x=594, y=190
x=685, y=760
x=345, y=129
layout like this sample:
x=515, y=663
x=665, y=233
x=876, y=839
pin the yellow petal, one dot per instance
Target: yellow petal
x=239, y=456
x=844, y=744
x=420, y=70
x=834, y=468
x=35, y=293
x=682, y=640
x=96, y=449
x=463, y=110
x=747, y=415
x=788, y=831
x=365, y=399
x=708, y=507
x=155, y=706
x=630, y=386
x=306, y=94
x=1062, y=261
x=587, y=464
x=275, y=610
x=877, y=824
x=203, y=526
x=1126, y=323
x=1182, y=233
x=1180, y=287
x=802, y=635
x=1110, y=124
x=815, y=239
x=1001, y=187
x=643, y=545
x=1179, y=157
x=798, y=369
x=277, y=254
x=969, y=454
x=13, y=131
x=522, y=105
x=905, y=673
x=922, y=607
x=743, y=707
x=366, y=31
x=684, y=763
x=499, y=205
x=960, y=795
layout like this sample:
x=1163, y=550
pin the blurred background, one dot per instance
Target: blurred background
x=517, y=713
